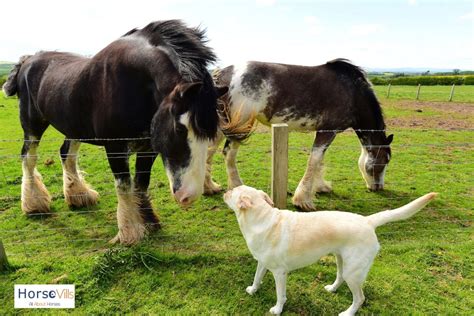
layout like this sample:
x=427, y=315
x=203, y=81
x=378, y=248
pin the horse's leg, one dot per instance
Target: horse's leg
x=129, y=219
x=143, y=167
x=35, y=197
x=77, y=192
x=312, y=180
x=211, y=187
x=230, y=153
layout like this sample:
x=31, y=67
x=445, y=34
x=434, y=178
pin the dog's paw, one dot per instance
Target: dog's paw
x=251, y=289
x=276, y=310
x=330, y=288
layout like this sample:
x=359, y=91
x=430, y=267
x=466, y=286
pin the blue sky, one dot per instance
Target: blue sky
x=398, y=33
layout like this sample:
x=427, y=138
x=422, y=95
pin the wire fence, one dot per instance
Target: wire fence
x=439, y=158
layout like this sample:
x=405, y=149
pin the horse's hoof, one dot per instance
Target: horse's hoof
x=304, y=204
x=115, y=240
x=212, y=188
x=85, y=198
x=233, y=185
x=324, y=187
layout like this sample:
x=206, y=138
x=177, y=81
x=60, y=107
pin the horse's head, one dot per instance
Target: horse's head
x=182, y=128
x=373, y=163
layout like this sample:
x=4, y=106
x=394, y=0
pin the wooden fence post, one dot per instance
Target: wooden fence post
x=418, y=91
x=279, y=164
x=4, y=265
x=452, y=93
x=388, y=90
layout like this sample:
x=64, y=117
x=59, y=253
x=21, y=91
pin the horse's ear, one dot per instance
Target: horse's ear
x=220, y=91
x=389, y=139
x=181, y=95
x=187, y=90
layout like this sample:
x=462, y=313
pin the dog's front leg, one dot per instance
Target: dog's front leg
x=257, y=280
x=280, y=283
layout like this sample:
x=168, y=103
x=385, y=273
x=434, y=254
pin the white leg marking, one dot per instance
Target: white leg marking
x=76, y=190
x=130, y=223
x=211, y=187
x=312, y=181
x=259, y=274
x=364, y=159
x=35, y=197
x=233, y=177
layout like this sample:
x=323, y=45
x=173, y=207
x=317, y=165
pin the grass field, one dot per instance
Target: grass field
x=427, y=93
x=199, y=264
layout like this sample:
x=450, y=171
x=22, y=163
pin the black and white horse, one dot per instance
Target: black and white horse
x=327, y=99
x=147, y=92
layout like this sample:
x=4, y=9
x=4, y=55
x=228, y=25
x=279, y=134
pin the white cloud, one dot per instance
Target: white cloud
x=364, y=29
x=467, y=16
x=412, y=2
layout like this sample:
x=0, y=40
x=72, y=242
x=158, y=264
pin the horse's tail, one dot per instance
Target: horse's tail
x=401, y=213
x=10, y=87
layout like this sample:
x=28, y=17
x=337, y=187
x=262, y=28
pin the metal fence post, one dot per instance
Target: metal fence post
x=279, y=164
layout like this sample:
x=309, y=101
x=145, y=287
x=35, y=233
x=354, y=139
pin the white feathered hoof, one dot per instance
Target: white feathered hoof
x=35, y=198
x=303, y=202
x=211, y=188
x=323, y=187
x=86, y=198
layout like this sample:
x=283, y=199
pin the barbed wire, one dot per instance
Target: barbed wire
x=455, y=226
x=348, y=130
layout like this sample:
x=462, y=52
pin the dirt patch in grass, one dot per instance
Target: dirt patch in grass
x=448, y=115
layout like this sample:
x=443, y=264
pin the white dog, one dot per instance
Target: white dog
x=282, y=240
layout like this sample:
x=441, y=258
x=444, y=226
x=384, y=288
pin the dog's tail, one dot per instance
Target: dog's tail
x=401, y=213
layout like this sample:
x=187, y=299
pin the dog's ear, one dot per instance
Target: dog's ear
x=267, y=198
x=244, y=203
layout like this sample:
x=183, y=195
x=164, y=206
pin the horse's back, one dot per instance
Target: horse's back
x=304, y=97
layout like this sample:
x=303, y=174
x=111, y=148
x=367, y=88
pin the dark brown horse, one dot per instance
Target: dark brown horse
x=328, y=99
x=147, y=92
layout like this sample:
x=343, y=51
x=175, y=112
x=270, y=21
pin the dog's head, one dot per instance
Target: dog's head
x=243, y=198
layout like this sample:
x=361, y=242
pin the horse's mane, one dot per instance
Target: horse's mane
x=186, y=46
x=358, y=75
x=187, y=49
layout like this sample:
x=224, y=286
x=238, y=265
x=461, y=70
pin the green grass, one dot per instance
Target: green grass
x=199, y=263
x=427, y=93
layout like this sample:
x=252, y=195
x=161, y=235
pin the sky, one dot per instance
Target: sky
x=373, y=34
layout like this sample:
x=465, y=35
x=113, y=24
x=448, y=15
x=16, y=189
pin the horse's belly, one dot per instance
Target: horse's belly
x=294, y=124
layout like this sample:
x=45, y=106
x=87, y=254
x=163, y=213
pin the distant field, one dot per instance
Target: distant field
x=427, y=93
x=5, y=68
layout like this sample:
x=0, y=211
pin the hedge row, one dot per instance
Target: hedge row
x=424, y=80
x=2, y=80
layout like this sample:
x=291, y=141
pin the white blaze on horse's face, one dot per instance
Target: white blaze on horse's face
x=373, y=168
x=191, y=177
